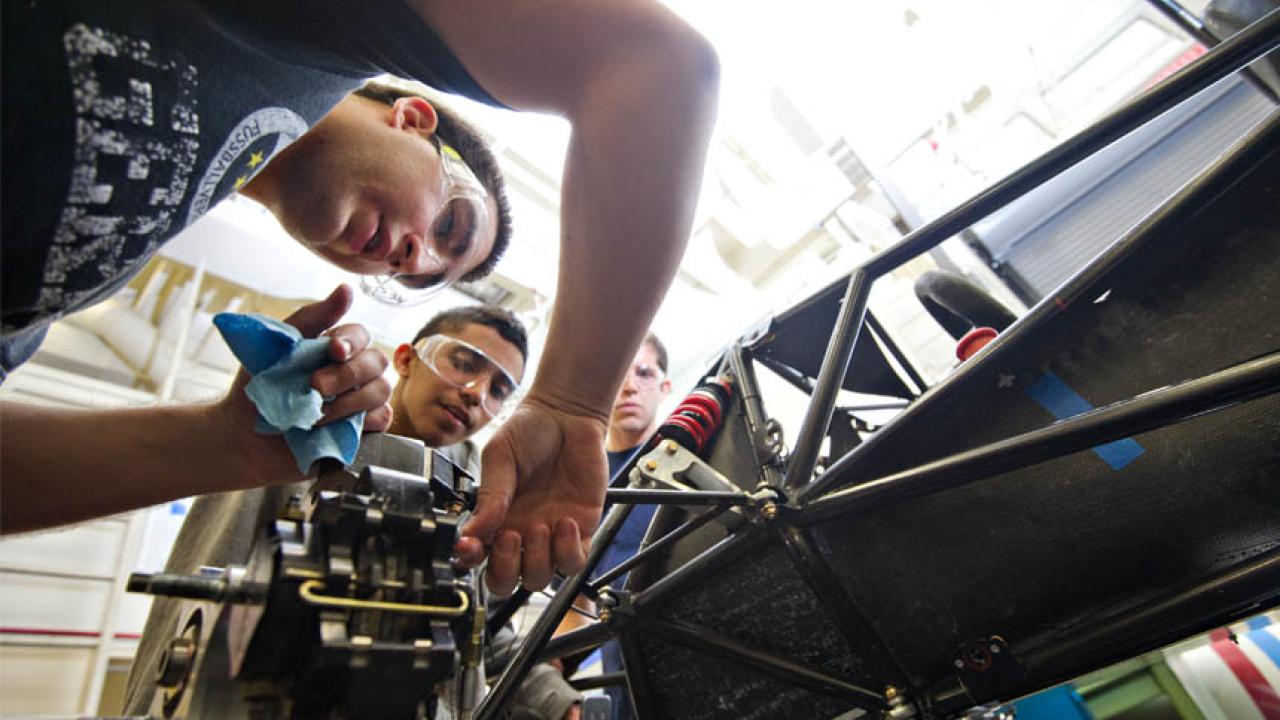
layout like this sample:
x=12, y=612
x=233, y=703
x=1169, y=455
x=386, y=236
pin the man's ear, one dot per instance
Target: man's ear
x=665, y=386
x=403, y=359
x=414, y=114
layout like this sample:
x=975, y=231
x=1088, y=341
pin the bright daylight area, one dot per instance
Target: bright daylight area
x=842, y=127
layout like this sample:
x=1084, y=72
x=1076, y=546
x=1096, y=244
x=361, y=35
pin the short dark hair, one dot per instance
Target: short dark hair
x=658, y=348
x=507, y=324
x=475, y=151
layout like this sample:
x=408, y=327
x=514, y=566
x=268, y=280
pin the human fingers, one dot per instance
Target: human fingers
x=497, y=485
x=363, y=368
x=469, y=551
x=504, y=564
x=567, y=547
x=378, y=419
x=313, y=319
x=535, y=566
x=347, y=340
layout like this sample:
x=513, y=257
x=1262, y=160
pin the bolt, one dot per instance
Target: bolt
x=960, y=664
x=995, y=649
x=456, y=508
x=891, y=693
x=651, y=465
x=670, y=446
x=769, y=511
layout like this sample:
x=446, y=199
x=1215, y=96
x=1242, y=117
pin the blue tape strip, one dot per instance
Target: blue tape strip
x=1257, y=622
x=1268, y=643
x=1054, y=395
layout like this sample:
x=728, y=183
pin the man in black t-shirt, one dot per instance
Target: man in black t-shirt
x=124, y=121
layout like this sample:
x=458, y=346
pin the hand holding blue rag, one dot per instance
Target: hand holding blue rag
x=284, y=367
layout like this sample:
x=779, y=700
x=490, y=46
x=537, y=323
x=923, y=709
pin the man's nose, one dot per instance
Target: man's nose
x=473, y=392
x=417, y=257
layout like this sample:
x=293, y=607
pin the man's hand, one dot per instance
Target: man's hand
x=353, y=383
x=542, y=490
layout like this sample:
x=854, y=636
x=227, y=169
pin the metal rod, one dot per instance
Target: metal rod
x=1193, y=26
x=788, y=373
x=892, y=347
x=835, y=363
x=574, y=641
x=874, y=406
x=1149, y=411
x=495, y=703
x=1256, y=584
x=599, y=681
x=710, y=561
x=1222, y=175
x=843, y=611
x=498, y=618
x=1244, y=47
x=631, y=496
x=753, y=409
x=1240, y=50
x=656, y=547
x=699, y=638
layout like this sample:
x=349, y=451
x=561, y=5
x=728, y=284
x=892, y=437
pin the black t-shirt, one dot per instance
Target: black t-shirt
x=124, y=121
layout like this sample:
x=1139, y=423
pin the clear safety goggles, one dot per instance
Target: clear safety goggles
x=453, y=244
x=465, y=366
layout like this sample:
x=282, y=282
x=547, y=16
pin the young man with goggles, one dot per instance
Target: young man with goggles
x=123, y=122
x=454, y=243
x=454, y=378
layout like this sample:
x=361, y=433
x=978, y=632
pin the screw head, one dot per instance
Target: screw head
x=651, y=465
x=670, y=446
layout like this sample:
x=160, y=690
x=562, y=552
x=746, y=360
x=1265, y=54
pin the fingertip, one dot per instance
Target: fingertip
x=469, y=551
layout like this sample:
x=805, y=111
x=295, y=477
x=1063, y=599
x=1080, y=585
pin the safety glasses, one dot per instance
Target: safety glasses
x=465, y=366
x=454, y=243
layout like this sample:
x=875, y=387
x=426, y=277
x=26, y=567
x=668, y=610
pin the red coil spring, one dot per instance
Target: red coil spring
x=697, y=417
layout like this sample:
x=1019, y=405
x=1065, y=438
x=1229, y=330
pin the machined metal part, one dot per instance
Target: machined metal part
x=349, y=606
x=671, y=465
x=308, y=592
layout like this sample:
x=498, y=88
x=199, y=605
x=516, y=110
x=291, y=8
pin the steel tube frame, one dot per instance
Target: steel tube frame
x=1084, y=431
x=700, y=638
x=583, y=638
x=631, y=496
x=599, y=681
x=1240, y=50
x=753, y=410
x=495, y=703
x=1150, y=411
x=656, y=547
x=1193, y=26
x=1259, y=578
x=882, y=337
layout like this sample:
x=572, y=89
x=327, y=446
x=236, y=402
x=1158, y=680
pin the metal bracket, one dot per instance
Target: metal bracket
x=675, y=467
x=987, y=667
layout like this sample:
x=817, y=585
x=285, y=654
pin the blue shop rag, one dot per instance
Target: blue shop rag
x=281, y=362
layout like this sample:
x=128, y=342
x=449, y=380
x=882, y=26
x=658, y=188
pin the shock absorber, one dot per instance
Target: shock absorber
x=697, y=417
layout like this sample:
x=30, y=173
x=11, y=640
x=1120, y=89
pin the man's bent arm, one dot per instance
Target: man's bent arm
x=639, y=88
x=60, y=466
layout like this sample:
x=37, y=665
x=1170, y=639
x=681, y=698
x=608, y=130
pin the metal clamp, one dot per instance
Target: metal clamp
x=306, y=591
x=673, y=466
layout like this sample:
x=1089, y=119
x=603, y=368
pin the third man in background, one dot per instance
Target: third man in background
x=633, y=420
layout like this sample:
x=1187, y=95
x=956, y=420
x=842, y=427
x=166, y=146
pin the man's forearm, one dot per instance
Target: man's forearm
x=639, y=88
x=61, y=466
